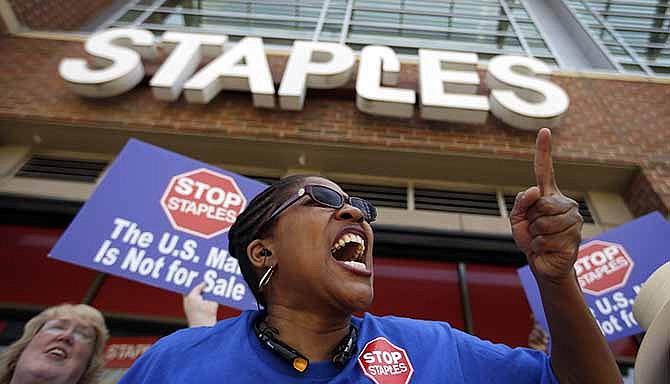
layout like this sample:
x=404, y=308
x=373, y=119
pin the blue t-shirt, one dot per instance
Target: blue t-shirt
x=390, y=350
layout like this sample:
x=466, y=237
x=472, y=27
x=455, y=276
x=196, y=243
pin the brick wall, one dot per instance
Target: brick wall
x=642, y=195
x=56, y=14
x=609, y=121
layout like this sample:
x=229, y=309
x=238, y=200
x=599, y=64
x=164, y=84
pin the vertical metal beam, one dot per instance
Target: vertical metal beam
x=655, y=37
x=618, y=39
x=503, y=26
x=321, y=21
x=573, y=45
x=450, y=24
x=515, y=28
x=145, y=15
x=296, y=13
x=117, y=15
x=347, y=20
x=465, y=298
x=193, y=20
x=9, y=17
x=502, y=204
x=401, y=20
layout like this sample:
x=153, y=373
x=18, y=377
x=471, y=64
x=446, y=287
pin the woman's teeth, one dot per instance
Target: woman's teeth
x=57, y=352
x=348, y=239
x=356, y=265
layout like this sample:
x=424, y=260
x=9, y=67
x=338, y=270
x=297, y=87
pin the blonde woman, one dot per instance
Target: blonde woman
x=61, y=345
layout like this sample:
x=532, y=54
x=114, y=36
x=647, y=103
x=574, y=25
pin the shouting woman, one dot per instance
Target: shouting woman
x=305, y=248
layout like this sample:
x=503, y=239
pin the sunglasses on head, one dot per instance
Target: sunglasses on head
x=328, y=197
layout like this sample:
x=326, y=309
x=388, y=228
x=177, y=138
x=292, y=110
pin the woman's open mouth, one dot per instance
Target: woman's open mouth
x=349, y=250
x=57, y=353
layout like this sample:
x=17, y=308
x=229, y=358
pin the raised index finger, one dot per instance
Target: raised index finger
x=544, y=164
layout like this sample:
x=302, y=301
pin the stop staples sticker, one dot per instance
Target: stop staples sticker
x=385, y=363
x=203, y=202
x=602, y=266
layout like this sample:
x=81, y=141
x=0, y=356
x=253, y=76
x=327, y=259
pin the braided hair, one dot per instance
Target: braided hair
x=251, y=224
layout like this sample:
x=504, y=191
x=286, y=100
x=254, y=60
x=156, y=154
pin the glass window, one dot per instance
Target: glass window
x=518, y=12
x=473, y=26
x=550, y=62
x=130, y=16
x=528, y=30
x=654, y=55
x=642, y=25
x=296, y=9
x=538, y=47
x=633, y=68
x=663, y=71
x=619, y=52
x=587, y=18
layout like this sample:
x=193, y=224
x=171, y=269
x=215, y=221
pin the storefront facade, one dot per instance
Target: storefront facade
x=444, y=189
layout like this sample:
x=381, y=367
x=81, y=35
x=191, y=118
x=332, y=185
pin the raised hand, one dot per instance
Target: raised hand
x=199, y=312
x=546, y=225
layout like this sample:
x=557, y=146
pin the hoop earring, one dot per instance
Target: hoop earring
x=266, y=278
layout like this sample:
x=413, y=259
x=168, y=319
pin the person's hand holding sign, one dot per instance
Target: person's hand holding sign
x=199, y=312
x=546, y=226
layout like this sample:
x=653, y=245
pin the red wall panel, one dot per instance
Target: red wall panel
x=119, y=295
x=499, y=308
x=28, y=277
x=418, y=289
x=411, y=288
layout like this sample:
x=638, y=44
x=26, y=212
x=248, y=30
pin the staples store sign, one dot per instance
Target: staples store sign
x=521, y=94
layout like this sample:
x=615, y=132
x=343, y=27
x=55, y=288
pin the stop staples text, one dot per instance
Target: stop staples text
x=202, y=202
x=602, y=267
x=385, y=363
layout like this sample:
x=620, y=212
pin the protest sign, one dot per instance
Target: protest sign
x=163, y=219
x=611, y=269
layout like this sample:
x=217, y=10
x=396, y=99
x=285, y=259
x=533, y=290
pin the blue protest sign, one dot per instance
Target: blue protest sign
x=162, y=219
x=610, y=269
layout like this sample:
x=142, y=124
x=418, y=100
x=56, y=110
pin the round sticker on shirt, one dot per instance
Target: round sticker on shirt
x=385, y=363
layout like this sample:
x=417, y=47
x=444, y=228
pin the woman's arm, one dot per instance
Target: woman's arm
x=579, y=351
x=547, y=227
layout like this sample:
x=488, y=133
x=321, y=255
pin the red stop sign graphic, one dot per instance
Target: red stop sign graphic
x=385, y=363
x=203, y=202
x=602, y=266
